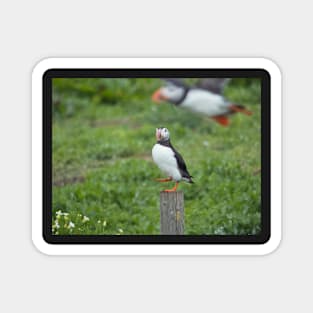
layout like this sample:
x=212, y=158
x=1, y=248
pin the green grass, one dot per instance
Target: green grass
x=103, y=174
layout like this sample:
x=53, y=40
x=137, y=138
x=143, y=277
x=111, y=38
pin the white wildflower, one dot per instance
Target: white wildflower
x=104, y=223
x=85, y=219
x=71, y=224
x=60, y=213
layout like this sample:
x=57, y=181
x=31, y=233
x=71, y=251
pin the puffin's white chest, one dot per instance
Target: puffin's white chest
x=165, y=159
x=205, y=102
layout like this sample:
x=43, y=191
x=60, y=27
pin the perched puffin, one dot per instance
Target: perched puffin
x=205, y=98
x=169, y=160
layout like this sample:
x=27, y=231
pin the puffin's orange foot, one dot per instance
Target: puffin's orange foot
x=236, y=108
x=163, y=180
x=173, y=189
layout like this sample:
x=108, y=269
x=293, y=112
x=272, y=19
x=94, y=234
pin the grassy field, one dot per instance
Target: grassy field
x=103, y=173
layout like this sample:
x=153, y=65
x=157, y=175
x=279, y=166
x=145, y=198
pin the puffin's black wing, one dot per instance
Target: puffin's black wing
x=215, y=85
x=176, y=81
x=181, y=164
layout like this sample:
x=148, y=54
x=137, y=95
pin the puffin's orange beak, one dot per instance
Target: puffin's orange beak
x=157, y=96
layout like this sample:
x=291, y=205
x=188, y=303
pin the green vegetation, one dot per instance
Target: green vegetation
x=103, y=174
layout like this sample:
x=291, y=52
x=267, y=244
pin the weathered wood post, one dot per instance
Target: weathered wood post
x=172, y=213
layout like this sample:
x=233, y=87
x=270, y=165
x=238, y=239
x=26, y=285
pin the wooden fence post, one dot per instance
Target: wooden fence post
x=172, y=213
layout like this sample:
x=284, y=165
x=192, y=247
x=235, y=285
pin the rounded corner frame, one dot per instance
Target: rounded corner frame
x=271, y=245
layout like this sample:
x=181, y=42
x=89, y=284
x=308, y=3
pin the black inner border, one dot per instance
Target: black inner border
x=260, y=238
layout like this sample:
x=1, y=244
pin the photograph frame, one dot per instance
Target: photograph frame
x=125, y=244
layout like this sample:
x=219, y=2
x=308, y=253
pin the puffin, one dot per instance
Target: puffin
x=205, y=97
x=168, y=159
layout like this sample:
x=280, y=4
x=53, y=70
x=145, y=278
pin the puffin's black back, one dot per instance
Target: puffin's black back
x=180, y=161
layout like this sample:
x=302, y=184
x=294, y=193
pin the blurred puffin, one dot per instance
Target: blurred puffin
x=169, y=160
x=205, y=98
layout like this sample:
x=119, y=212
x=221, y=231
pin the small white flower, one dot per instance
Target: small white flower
x=58, y=213
x=71, y=224
x=56, y=225
x=120, y=230
x=98, y=221
x=104, y=223
x=85, y=219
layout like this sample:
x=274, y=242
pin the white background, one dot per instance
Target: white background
x=32, y=282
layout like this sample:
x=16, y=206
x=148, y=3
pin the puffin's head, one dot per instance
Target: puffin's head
x=170, y=93
x=162, y=133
